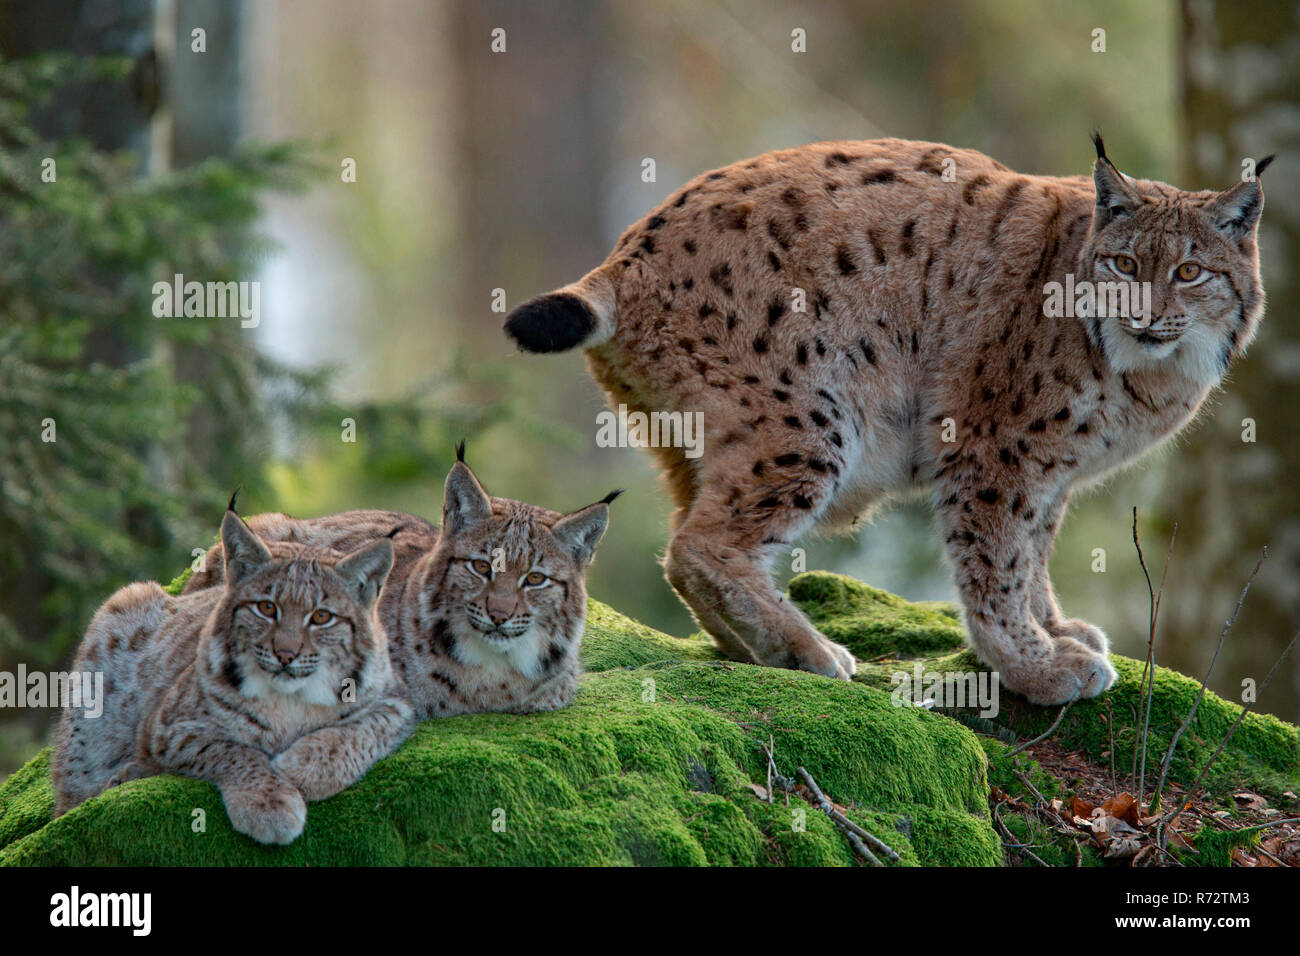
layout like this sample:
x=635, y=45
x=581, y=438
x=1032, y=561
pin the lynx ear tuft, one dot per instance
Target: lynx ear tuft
x=460, y=450
x=230, y=506
x=612, y=495
x=1263, y=164
x=1097, y=142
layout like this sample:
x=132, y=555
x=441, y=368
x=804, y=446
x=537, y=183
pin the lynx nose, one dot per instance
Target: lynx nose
x=498, y=616
x=285, y=654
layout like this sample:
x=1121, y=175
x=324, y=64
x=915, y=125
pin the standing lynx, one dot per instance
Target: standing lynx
x=276, y=687
x=858, y=319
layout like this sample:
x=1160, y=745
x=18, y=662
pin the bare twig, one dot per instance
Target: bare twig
x=1110, y=725
x=1191, y=714
x=1195, y=787
x=1056, y=723
x=857, y=836
x=1149, y=670
x=1021, y=848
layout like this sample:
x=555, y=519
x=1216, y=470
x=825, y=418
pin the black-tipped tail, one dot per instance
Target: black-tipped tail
x=554, y=322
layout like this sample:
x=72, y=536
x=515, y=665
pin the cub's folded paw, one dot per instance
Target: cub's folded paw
x=306, y=765
x=268, y=816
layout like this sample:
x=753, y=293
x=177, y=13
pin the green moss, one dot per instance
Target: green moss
x=871, y=622
x=178, y=583
x=652, y=765
x=655, y=763
x=1264, y=753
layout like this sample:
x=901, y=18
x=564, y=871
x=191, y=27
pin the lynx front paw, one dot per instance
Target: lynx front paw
x=1073, y=671
x=819, y=655
x=268, y=816
x=309, y=767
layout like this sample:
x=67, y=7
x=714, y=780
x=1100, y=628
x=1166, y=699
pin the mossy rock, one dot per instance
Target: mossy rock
x=652, y=764
x=656, y=760
x=1263, y=755
x=871, y=622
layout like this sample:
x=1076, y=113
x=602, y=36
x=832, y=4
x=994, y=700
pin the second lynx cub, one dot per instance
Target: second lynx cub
x=858, y=319
x=485, y=613
x=276, y=687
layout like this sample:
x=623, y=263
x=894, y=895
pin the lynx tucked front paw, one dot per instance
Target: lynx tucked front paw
x=268, y=816
x=302, y=765
x=1073, y=671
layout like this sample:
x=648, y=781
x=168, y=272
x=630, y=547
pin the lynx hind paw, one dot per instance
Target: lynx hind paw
x=1074, y=672
x=1090, y=636
x=275, y=816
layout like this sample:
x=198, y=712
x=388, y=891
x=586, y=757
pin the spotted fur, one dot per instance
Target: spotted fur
x=859, y=319
x=469, y=632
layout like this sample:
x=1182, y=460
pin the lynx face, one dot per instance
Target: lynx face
x=513, y=572
x=299, y=623
x=1197, y=251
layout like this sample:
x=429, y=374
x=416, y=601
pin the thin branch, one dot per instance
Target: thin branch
x=1056, y=723
x=1149, y=671
x=1182, y=804
x=856, y=834
x=1223, y=635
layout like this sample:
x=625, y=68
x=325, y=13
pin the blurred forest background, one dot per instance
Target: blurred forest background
x=479, y=170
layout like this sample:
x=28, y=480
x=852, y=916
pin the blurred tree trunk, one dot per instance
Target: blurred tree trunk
x=1239, y=72
x=522, y=159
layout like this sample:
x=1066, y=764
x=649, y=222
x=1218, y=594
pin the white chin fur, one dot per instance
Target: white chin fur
x=314, y=690
x=520, y=655
x=1195, y=354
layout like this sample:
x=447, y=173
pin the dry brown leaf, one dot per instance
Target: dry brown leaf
x=760, y=791
x=1080, y=807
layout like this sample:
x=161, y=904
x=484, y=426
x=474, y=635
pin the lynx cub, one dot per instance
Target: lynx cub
x=276, y=687
x=857, y=319
x=485, y=614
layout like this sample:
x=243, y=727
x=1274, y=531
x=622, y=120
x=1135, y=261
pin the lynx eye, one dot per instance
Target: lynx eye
x=481, y=567
x=1125, y=265
x=535, y=578
x=1188, y=271
x=267, y=609
x=320, y=617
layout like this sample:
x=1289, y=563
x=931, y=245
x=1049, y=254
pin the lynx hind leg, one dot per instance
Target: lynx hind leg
x=720, y=567
x=1000, y=590
x=92, y=753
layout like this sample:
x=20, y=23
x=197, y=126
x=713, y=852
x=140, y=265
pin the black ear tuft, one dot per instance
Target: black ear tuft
x=460, y=450
x=1263, y=164
x=1101, y=147
x=398, y=530
x=612, y=495
x=231, y=505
